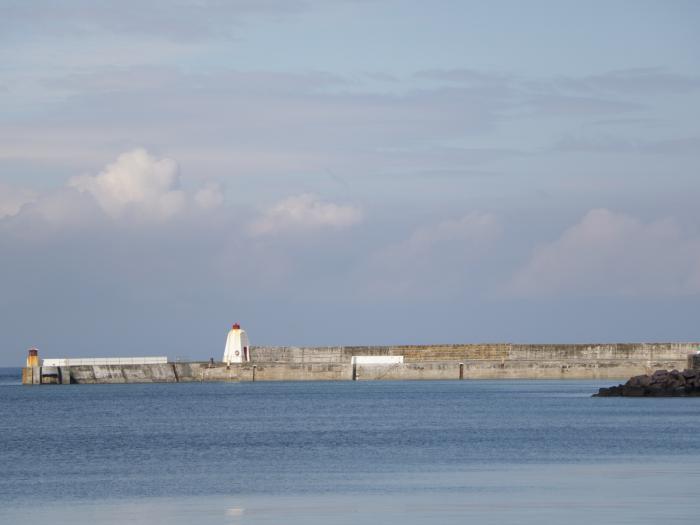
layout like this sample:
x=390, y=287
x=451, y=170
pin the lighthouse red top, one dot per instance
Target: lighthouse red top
x=236, y=326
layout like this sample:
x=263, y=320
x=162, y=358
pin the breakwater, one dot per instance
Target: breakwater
x=403, y=362
x=661, y=383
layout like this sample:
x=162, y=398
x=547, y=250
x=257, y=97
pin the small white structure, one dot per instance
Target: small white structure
x=376, y=360
x=95, y=361
x=237, y=347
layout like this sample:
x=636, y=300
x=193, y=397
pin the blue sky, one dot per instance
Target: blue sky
x=348, y=172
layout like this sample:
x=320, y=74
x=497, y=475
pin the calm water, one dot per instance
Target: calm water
x=389, y=452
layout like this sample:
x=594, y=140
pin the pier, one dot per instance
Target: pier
x=366, y=363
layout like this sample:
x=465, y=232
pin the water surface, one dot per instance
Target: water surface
x=348, y=452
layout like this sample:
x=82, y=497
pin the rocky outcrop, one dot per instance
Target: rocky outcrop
x=661, y=383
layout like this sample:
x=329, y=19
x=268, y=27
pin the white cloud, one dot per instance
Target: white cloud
x=437, y=259
x=209, y=196
x=610, y=253
x=136, y=186
x=13, y=198
x=136, y=180
x=302, y=213
x=473, y=228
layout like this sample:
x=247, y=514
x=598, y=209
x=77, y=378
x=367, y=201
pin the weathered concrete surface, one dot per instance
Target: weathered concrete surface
x=694, y=361
x=201, y=371
x=485, y=369
x=64, y=375
x=651, y=352
x=49, y=375
x=28, y=375
x=192, y=372
x=480, y=361
x=494, y=361
x=155, y=373
x=299, y=372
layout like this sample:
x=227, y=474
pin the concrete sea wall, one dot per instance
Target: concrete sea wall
x=493, y=361
x=497, y=352
x=465, y=361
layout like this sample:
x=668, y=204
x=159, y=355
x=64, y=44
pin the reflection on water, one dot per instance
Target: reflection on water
x=413, y=452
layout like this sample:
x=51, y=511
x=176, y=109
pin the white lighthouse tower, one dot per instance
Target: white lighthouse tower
x=237, y=348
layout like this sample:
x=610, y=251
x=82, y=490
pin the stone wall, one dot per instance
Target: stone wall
x=477, y=361
x=146, y=373
x=694, y=361
x=504, y=352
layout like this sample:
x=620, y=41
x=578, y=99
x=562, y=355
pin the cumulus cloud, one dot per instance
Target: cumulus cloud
x=473, y=228
x=305, y=212
x=137, y=185
x=13, y=198
x=610, y=253
x=209, y=196
x=136, y=180
x=435, y=259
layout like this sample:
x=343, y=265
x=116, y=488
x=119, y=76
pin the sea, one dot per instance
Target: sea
x=437, y=452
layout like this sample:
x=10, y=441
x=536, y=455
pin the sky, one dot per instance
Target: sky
x=346, y=172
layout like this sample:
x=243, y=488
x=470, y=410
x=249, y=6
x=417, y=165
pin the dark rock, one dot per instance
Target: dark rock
x=642, y=381
x=610, y=392
x=656, y=391
x=661, y=383
x=659, y=373
x=633, y=391
x=678, y=391
x=673, y=382
x=675, y=378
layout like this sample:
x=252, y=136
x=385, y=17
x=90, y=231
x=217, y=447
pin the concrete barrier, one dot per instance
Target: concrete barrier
x=81, y=361
x=403, y=362
x=694, y=361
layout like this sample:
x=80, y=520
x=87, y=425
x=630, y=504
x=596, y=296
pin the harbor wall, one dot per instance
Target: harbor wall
x=502, y=352
x=435, y=362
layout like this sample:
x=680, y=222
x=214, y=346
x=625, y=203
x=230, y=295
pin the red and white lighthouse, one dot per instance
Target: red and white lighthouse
x=237, y=348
